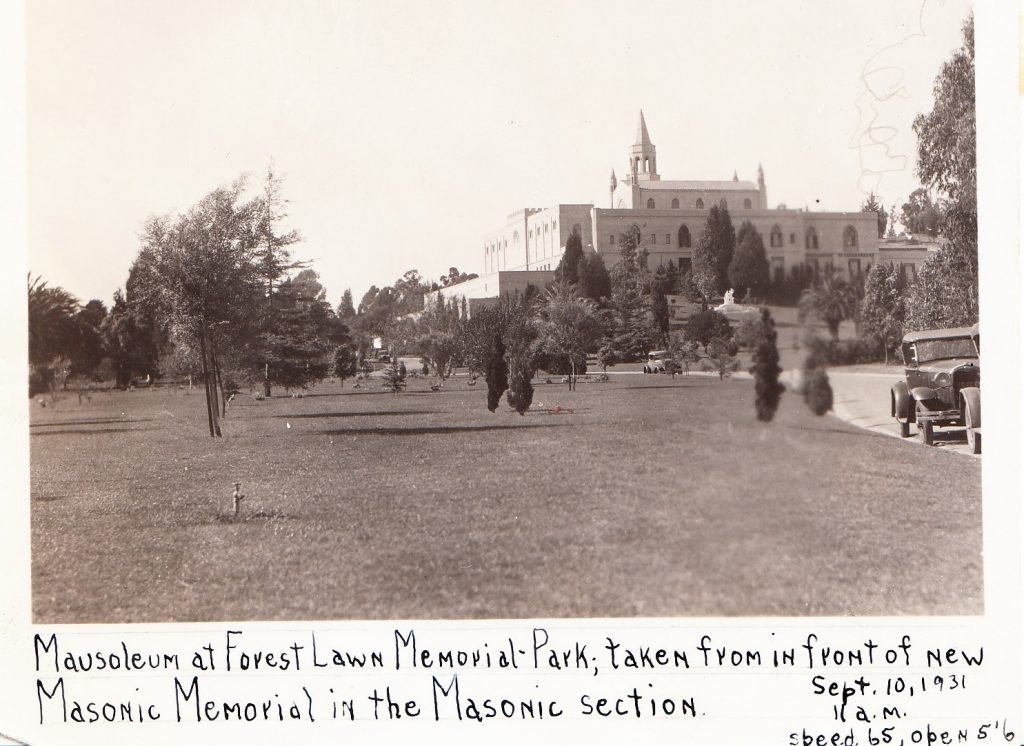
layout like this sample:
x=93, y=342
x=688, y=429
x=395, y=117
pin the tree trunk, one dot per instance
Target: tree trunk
x=266, y=380
x=210, y=415
x=218, y=379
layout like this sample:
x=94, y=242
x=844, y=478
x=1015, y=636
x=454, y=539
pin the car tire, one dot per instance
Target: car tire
x=904, y=428
x=973, y=436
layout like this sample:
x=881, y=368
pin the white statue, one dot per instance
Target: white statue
x=729, y=295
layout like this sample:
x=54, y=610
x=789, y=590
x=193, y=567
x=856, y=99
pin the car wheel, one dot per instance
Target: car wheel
x=927, y=432
x=973, y=436
x=904, y=428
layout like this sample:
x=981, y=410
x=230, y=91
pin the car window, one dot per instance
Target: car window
x=939, y=349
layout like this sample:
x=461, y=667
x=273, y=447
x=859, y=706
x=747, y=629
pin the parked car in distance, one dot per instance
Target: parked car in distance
x=658, y=361
x=942, y=384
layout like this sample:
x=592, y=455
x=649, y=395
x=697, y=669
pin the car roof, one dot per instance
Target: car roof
x=956, y=331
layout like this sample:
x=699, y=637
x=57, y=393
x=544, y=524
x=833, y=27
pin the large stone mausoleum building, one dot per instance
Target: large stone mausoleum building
x=670, y=217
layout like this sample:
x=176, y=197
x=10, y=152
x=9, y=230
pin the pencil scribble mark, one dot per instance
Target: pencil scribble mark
x=883, y=84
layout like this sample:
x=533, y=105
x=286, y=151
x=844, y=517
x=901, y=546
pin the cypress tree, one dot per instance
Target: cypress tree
x=766, y=371
x=496, y=373
x=569, y=267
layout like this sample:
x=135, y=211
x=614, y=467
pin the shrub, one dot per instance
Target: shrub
x=817, y=391
x=394, y=377
x=766, y=369
x=559, y=364
x=822, y=353
x=721, y=358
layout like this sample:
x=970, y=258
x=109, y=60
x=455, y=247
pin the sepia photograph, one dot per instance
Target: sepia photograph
x=444, y=311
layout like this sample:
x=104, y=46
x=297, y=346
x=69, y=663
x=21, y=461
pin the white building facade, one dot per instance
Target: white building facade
x=670, y=218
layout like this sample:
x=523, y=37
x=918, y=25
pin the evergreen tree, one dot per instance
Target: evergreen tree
x=520, y=384
x=634, y=335
x=299, y=333
x=713, y=253
x=706, y=325
x=346, y=310
x=496, y=373
x=568, y=269
x=748, y=269
x=721, y=357
x=607, y=355
x=766, y=370
x=394, y=376
x=88, y=350
x=595, y=282
x=882, y=310
x=345, y=363
x=499, y=340
x=946, y=291
x=871, y=204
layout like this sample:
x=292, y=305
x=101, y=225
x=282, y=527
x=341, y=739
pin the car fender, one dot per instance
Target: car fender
x=923, y=393
x=901, y=402
x=972, y=397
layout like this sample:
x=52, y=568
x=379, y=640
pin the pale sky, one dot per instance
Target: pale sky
x=409, y=130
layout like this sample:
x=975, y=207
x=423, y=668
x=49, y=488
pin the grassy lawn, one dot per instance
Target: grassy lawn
x=653, y=498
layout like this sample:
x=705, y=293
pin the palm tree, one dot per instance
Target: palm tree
x=832, y=299
x=51, y=314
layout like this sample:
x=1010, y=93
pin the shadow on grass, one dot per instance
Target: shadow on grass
x=101, y=421
x=99, y=431
x=436, y=430
x=315, y=415
x=641, y=388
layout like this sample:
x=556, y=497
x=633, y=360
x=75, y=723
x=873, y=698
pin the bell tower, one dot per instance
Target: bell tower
x=643, y=160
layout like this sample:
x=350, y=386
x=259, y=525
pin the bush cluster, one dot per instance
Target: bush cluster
x=822, y=353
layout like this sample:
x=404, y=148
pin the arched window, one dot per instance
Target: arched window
x=723, y=204
x=700, y=204
x=850, y=237
x=811, y=238
x=650, y=204
x=684, y=237
x=675, y=204
x=775, y=239
x=746, y=204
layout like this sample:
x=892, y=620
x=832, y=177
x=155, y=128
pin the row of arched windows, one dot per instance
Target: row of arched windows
x=776, y=238
x=699, y=204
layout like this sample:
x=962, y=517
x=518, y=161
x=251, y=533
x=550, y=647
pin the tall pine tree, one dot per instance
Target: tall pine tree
x=713, y=253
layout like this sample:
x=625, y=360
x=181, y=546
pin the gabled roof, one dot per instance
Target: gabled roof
x=700, y=186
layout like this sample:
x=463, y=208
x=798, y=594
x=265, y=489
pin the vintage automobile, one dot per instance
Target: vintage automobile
x=942, y=385
x=658, y=362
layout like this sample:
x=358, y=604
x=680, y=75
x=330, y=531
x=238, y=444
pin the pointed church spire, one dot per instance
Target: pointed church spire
x=643, y=164
x=735, y=176
x=642, y=138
